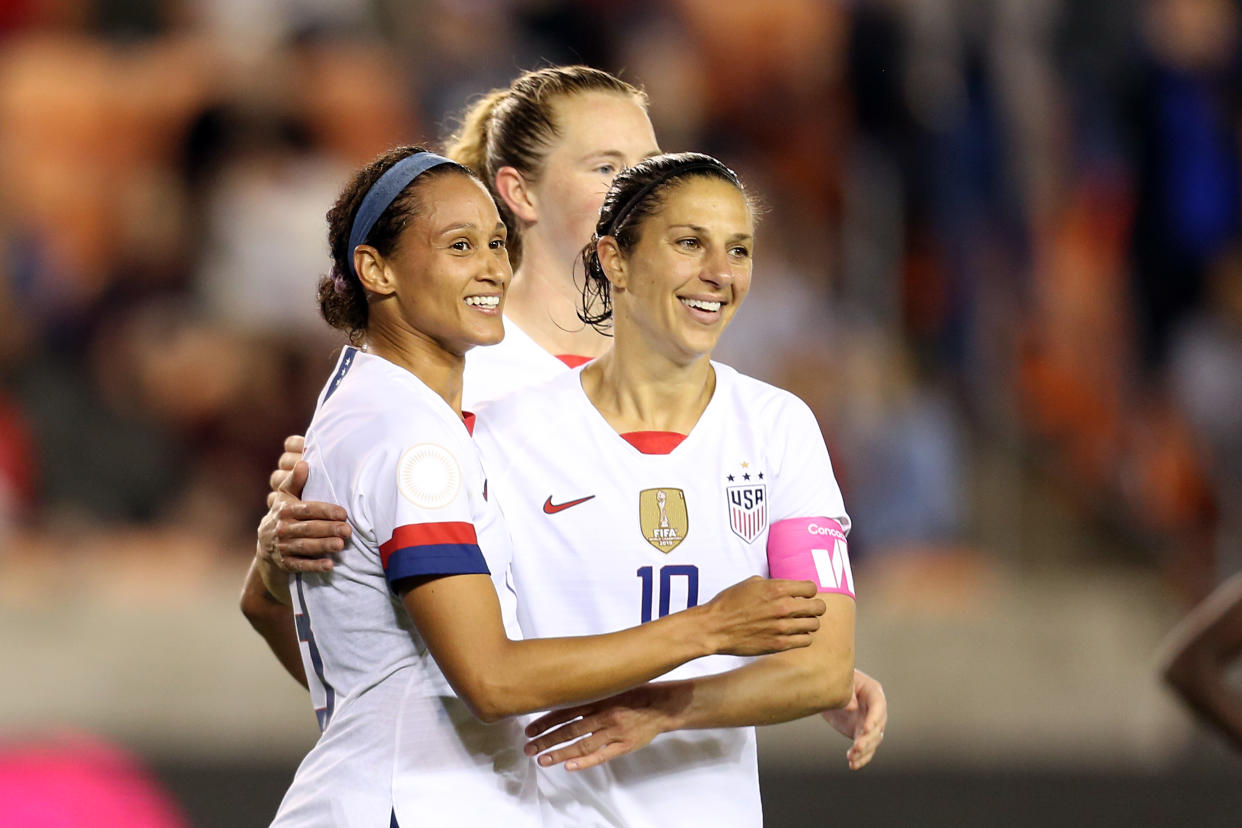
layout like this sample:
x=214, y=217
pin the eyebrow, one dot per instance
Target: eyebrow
x=469, y=225
x=699, y=229
x=612, y=153
x=616, y=154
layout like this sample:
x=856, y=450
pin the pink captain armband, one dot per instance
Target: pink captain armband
x=811, y=549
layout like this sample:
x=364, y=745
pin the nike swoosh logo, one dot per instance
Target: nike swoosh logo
x=550, y=508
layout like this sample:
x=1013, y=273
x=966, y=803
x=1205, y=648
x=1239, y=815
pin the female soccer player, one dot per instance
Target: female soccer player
x=696, y=476
x=548, y=147
x=407, y=644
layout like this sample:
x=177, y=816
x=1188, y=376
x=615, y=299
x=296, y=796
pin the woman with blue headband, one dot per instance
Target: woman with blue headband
x=410, y=645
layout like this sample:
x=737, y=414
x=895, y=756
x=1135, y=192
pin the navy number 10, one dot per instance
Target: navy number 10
x=646, y=574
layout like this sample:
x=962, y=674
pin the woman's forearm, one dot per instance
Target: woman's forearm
x=274, y=621
x=776, y=688
x=459, y=618
x=549, y=672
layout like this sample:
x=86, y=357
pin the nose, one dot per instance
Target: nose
x=717, y=270
x=497, y=270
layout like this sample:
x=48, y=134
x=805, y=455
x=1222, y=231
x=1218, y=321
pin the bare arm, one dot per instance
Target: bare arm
x=459, y=618
x=1197, y=652
x=778, y=688
x=784, y=686
x=289, y=525
x=274, y=621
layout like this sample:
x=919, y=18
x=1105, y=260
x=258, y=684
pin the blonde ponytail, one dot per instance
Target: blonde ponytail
x=468, y=145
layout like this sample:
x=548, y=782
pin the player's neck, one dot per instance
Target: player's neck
x=439, y=368
x=543, y=301
x=639, y=392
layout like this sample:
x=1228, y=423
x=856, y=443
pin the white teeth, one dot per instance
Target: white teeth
x=702, y=305
x=483, y=301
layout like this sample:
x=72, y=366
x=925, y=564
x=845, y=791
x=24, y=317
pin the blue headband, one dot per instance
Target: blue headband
x=383, y=191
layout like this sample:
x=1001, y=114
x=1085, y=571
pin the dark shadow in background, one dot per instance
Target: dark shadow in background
x=238, y=796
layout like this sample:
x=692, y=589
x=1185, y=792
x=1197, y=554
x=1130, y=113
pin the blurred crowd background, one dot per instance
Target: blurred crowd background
x=1001, y=258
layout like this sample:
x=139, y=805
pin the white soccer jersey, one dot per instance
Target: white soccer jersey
x=516, y=362
x=607, y=536
x=396, y=739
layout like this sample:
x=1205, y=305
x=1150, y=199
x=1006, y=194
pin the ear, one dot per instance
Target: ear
x=373, y=272
x=512, y=187
x=612, y=261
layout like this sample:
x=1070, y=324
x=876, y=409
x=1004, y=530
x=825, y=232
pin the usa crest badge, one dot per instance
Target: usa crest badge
x=748, y=510
x=663, y=517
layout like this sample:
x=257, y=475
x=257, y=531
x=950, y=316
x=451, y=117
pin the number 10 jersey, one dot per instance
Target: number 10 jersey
x=613, y=530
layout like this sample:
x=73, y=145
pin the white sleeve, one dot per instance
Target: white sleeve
x=804, y=485
x=420, y=497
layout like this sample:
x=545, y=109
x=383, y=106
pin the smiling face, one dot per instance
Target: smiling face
x=678, y=287
x=601, y=133
x=447, y=277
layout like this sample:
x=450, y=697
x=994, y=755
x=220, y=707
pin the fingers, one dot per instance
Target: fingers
x=799, y=589
x=588, y=753
x=864, y=748
x=307, y=531
x=304, y=565
x=803, y=607
x=801, y=597
x=797, y=626
x=297, y=479
x=865, y=745
x=559, y=736
x=299, y=536
x=556, y=717
x=870, y=695
x=314, y=529
x=293, y=448
x=315, y=518
x=310, y=548
x=275, y=480
x=592, y=751
x=877, y=716
x=869, y=728
x=594, y=748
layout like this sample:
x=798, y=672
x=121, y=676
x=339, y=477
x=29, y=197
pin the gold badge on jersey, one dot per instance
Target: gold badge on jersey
x=663, y=517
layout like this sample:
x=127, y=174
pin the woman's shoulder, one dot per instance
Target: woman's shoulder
x=537, y=401
x=385, y=404
x=749, y=393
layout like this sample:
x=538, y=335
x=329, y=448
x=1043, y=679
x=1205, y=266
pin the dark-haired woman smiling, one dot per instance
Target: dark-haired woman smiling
x=680, y=476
